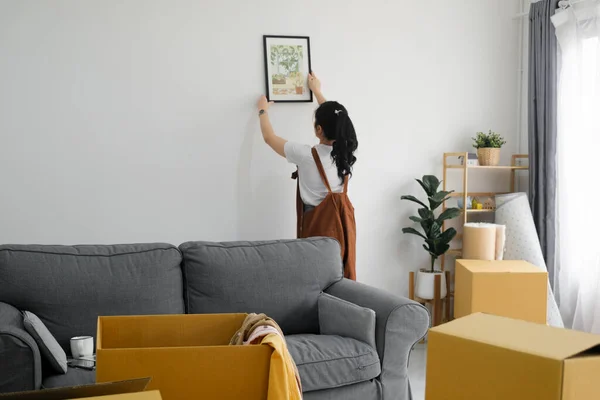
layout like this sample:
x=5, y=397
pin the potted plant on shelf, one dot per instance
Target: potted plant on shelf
x=437, y=242
x=298, y=82
x=488, y=147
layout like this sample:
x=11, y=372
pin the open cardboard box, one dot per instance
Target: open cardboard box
x=484, y=357
x=125, y=390
x=188, y=356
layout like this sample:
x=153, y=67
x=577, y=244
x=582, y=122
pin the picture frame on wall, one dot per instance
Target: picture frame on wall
x=287, y=65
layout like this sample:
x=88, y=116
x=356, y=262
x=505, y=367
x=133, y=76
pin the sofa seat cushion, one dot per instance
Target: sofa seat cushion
x=73, y=377
x=327, y=361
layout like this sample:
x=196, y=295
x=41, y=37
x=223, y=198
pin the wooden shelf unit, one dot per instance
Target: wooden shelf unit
x=515, y=165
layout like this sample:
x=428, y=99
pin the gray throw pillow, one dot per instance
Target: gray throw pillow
x=48, y=345
x=342, y=318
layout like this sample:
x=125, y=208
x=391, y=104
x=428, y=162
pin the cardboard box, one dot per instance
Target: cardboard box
x=187, y=356
x=513, y=289
x=125, y=390
x=483, y=357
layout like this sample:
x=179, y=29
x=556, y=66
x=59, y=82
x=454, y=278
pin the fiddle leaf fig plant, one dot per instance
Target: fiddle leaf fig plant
x=436, y=242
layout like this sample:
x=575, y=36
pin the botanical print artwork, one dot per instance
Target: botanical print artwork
x=287, y=77
x=287, y=64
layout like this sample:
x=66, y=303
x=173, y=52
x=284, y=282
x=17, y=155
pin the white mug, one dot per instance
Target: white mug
x=82, y=346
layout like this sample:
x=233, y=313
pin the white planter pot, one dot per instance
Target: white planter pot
x=425, y=285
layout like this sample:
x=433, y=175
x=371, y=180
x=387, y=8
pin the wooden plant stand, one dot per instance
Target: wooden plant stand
x=439, y=306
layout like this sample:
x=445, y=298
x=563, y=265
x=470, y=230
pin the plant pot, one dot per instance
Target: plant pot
x=425, y=286
x=488, y=156
x=299, y=90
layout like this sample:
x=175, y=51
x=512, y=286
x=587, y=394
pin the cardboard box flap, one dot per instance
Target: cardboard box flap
x=132, y=332
x=525, y=337
x=147, y=395
x=505, y=266
x=78, y=392
x=589, y=352
x=580, y=380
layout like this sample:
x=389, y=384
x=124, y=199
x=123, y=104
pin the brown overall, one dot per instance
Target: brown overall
x=334, y=218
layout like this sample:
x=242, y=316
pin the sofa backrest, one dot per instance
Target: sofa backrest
x=68, y=287
x=282, y=279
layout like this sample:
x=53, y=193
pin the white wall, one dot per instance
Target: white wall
x=135, y=121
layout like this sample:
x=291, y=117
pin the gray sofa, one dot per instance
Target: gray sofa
x=68, y=287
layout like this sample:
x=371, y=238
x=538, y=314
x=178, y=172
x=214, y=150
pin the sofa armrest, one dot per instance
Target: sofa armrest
x=20, y=361
x=400, y=324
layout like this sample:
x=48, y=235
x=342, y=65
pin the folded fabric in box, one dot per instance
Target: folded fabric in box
x=284, y=379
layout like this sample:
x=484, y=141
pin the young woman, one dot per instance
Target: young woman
x=322, y=204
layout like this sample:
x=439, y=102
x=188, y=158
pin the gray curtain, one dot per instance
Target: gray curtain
x=542, y=126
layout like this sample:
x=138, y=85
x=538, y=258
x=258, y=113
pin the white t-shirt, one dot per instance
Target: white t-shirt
x=312, y=188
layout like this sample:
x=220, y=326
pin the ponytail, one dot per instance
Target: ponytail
x=337, y=126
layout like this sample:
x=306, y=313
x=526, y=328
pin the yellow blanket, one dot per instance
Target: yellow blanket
x=282, y=377
x=284, y=380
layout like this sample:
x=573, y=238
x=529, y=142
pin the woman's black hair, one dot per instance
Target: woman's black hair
x=333, y=118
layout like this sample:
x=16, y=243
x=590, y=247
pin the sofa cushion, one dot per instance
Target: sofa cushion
x=68, y=287
x=342, y=318
x=282, y=279
x=73, y=377
x=326, y=361
x=49, y=347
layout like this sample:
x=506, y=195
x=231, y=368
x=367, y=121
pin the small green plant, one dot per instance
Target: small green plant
x=487, y=140
x=436, y=242
x=299, y=79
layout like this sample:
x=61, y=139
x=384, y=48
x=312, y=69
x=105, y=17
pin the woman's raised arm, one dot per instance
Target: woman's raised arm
x=275, y=142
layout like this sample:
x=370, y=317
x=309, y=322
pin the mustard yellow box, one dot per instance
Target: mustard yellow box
x=513, y=289
x=484, y=357
x=187, y=356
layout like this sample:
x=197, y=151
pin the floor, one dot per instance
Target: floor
x=416, y=371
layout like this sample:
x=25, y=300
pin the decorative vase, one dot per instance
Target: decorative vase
x=488, y=156
x=299, y=90
x=425, y=286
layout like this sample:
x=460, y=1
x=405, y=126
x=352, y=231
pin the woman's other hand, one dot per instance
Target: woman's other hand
x=263, y=103
x=314, y=83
